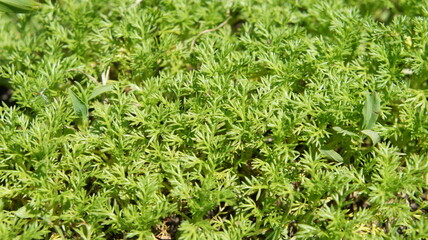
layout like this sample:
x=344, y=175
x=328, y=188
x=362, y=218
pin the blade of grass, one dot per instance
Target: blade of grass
x=17, y=6
x=371, y=110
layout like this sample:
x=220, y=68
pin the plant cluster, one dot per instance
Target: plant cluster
x=194, y=119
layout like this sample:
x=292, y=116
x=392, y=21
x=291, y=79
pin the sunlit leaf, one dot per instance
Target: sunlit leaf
x=23, y=213
x=344, y=132
x=331, y=154
x=17, y=6
x=374, y=136
x=100, y=90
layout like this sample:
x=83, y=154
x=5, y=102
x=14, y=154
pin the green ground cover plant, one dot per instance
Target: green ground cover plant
x=192, y=119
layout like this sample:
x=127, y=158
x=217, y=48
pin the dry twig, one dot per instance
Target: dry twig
x=211, y=30
x=80, y=71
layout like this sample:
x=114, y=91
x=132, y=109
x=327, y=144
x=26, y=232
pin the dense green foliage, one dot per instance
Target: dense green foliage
x=215, y=120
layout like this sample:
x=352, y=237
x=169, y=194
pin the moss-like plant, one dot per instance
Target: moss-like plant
x=214, y=120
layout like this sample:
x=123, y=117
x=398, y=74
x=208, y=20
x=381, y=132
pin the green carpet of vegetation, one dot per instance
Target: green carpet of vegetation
x=193, y=119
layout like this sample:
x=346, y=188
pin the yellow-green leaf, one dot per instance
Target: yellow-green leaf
x=331, y=154
x=100, y=90
x=17, y=6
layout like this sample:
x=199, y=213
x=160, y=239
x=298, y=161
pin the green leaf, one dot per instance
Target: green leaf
x=17, y=6
x=371, y=110
x=331, y=154
x=5, y=191
x=23, y=213
x=344, y=132
x=100, y=90
x=80, y=107
x=374, y=136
